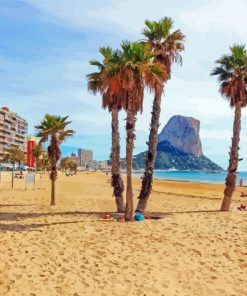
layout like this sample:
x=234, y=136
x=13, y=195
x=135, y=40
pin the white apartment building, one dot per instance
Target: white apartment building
x=13, y=131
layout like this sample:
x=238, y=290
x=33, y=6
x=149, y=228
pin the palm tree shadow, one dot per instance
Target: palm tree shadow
x=18, y=227
x=31, y=227
x=16, y=205
x=11, y=216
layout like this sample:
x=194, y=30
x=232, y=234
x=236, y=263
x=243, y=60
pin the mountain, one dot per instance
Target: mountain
x=179, y=147
x=183, y=133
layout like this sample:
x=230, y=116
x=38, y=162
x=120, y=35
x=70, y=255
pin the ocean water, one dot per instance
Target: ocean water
x=202, y=177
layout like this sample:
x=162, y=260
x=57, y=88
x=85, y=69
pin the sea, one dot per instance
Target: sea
x=201, y=177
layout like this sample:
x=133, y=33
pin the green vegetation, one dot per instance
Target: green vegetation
x=52, y=129
x=169, y=157
x=14, y=154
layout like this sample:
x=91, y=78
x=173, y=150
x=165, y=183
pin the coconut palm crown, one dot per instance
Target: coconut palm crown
x=167, y=45
x=232, y=75
x=121, y=70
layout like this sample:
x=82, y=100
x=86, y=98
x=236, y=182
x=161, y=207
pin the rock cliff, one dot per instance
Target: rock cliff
x=183, y=134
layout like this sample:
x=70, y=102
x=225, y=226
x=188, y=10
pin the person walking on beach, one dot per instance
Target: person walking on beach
x=241, y=183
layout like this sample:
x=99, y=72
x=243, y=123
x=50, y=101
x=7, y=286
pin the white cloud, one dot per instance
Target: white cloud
x=225, y=16
x=127, y=15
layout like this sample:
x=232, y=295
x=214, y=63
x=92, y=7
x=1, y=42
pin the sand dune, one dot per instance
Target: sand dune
x=69, y=250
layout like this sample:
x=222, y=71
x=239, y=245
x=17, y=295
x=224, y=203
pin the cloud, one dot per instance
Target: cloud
x=225, y=16
x=127, y=15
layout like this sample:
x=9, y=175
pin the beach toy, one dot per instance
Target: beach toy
x=106, y=217
x=139, y=217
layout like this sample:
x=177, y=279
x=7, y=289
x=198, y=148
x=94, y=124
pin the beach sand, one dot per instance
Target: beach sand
x=69, y=249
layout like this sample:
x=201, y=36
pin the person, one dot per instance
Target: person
x=243, y=194
x=241, y=183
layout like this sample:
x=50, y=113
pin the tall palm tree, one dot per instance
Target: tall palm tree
x=137, y=71
x=167, y=47
x=52, y=129
x=232, y=76
x=106, y=71
x=14, y=154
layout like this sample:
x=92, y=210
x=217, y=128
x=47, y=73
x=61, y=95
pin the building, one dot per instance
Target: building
x=92, y=165
x=103, y=165
x=13, y=131
x=84, y=157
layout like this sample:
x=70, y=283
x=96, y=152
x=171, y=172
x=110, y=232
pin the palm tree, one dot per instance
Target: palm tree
x=111, y=62
x=72, y=165
x=232, y=76
x=64, y=163
x=137, y=71
x=122, y=84
x=52, y=129
x=14, y=154
x=167, y=47
x=36, y=152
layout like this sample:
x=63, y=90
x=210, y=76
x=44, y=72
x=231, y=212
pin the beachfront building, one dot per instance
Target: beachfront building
x=13, y=131
x=84, y=157
x=92, y=165
x=103, y=165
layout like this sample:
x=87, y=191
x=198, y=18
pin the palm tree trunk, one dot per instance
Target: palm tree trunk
x=116, y=180
x=233, y=161
x=36, y=161
x=13, y=169
x=151, y=154
x=130, y=128
x=53, y=176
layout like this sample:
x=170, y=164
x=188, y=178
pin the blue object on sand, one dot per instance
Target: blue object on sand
x=139, y=217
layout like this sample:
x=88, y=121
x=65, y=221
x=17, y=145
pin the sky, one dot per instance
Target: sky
x=46, y=46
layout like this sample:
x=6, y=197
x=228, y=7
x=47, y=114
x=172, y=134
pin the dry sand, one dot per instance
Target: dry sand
x=69, y=250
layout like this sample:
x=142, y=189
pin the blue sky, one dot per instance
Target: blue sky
x=46, y=45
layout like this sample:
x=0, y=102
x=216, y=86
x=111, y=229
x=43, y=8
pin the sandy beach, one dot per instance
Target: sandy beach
x=69, y=249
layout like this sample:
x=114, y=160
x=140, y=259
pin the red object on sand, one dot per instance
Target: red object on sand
x=106, y=217
x=242, y=207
